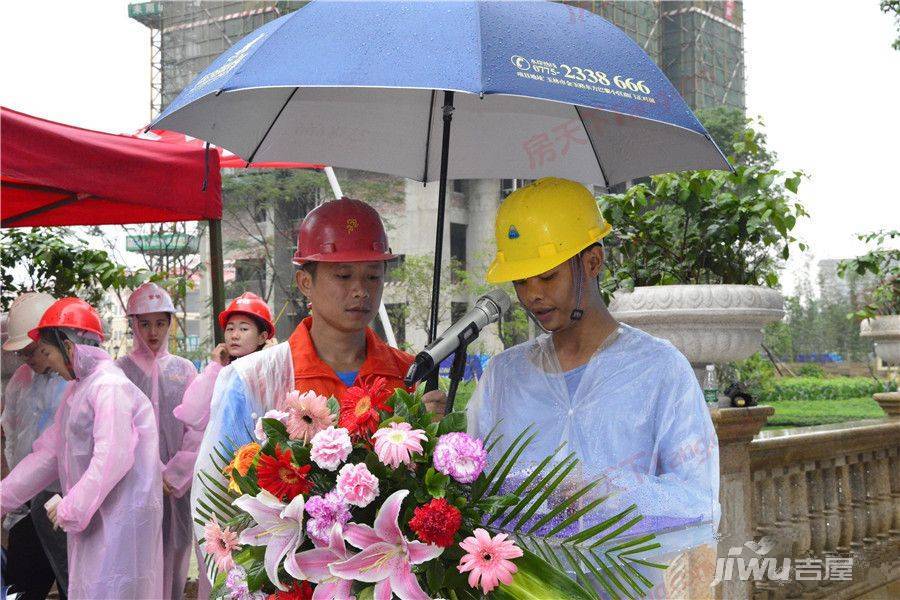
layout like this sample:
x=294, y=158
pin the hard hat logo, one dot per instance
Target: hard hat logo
x=352, y=225
x=513, y=233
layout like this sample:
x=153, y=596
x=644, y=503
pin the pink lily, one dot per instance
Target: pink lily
x=279, y=527
x=387, y=556
x=312, y=565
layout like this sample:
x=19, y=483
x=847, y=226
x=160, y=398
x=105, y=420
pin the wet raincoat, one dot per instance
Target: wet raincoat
x=30, y=401
x=163, y=378
x=194, y=413
x=258, y=382
x=637, y=417
x=103, y=448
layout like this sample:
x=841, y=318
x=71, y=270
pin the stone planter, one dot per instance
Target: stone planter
x=885, y=332
x=709, y=324
x=889, y=403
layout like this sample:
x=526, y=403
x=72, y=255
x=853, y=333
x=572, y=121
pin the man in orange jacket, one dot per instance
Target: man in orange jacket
x=341, y=253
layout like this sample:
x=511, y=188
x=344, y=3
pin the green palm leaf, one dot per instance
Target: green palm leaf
x=600, y=555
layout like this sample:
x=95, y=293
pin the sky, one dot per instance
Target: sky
x=821, y=73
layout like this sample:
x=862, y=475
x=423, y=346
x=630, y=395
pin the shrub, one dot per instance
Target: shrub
x=812, y=370
x=812, y=388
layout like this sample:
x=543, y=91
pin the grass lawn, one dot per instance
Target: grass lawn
x=802, y=413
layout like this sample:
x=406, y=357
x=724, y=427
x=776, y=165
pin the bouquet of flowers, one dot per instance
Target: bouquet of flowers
x=370, y=497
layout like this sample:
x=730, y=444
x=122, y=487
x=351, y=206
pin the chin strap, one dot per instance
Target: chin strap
x=58, y=339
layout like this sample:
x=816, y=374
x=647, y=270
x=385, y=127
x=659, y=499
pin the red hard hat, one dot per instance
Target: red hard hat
x=74, y=313
x=248, y=303
x=344, y=230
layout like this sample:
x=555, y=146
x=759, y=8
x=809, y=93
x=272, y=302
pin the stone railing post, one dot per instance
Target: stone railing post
x=735, y=428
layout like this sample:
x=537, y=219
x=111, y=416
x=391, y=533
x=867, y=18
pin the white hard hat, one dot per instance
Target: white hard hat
x=24, y=315
x=149, y=298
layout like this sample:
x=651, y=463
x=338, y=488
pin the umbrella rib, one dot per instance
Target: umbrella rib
x=593, y=148
x=428, y=137
x=271, y=125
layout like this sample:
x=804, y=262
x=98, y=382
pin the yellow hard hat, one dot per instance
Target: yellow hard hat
x=542, y=225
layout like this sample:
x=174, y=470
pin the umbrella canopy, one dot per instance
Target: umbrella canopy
x=547, y=89
x=58, y=175
x=531, y=88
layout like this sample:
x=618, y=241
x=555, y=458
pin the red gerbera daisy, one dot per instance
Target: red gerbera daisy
x=301, y=590
x=436, y=522
x=360, y=406
x=281, y=477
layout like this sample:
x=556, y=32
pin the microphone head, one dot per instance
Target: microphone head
x=498, y=298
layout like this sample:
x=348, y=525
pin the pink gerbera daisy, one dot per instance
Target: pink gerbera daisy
x=308, y=414
x=395, y=444
x=488, y=559
x=220, y=543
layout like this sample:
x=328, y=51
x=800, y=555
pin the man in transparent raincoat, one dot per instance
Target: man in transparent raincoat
x=626, y=403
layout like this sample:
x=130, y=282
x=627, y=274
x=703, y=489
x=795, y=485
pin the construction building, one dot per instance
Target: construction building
x=698, y=44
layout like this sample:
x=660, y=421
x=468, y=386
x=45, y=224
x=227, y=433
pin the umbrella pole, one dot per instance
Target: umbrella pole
x=439, y=230
x=439, y=233
x=217, y=276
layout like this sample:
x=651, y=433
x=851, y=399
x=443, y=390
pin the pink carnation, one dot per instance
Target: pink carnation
x=330, y=447
x=357, y=485
x=396, y=443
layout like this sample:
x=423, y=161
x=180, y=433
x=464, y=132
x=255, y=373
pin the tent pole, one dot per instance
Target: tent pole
x=217, y=276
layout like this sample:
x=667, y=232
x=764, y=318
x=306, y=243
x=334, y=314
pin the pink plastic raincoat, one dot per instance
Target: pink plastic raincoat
x=163, y=378
x=103, y=447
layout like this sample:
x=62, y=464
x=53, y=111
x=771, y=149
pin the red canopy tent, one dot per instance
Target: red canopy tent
x=227, y=159
x=55, y=175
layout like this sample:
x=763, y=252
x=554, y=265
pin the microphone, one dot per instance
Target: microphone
x=487, y=310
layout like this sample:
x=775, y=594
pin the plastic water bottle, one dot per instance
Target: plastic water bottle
x=711, y=386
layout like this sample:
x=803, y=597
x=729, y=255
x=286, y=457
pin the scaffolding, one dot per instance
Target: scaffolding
x=703, y=52
x=699, y=45
x=186, y=36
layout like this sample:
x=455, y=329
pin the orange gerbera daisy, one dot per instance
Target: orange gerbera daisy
x=281, y=477
x=242, y=461
x=360, y=406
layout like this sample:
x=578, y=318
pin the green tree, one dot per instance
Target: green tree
x=414, y=277
x=703, y=227
x=889, y=7
x=60, y=262
x=883, y=263
x=739, y=136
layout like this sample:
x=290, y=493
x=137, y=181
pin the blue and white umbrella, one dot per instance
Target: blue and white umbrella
x=532, y=89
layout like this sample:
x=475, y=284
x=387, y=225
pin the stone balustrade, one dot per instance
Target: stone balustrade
x=819, y=506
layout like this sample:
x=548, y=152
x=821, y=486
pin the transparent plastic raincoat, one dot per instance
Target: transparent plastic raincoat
x=103, y=448
x=243, y=391
x=30, y=401
x=194, y=413
x=163, y=378
x=637, y=417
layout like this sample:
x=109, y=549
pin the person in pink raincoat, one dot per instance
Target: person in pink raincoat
x=103, y=448
x=247, y=323
x=163, y=378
